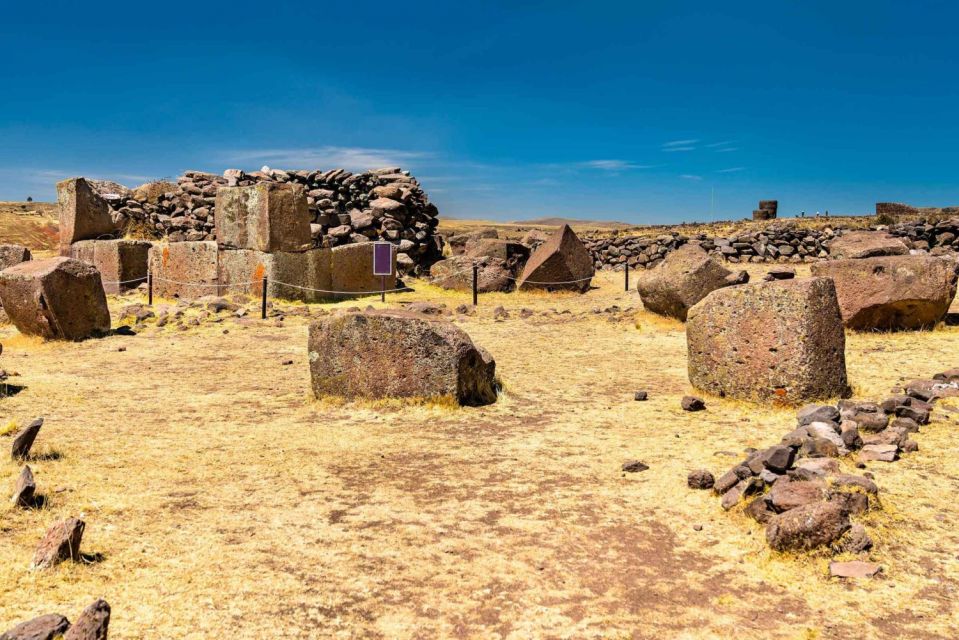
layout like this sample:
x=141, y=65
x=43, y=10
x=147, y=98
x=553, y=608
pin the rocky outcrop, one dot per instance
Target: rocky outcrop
x=55, y=298
x=892, y=292
x=398, y=355
x=777, y=341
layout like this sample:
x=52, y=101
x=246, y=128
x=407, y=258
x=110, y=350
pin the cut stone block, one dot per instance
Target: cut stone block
x=55, y=298
x=685, y=277
x=242, y=271
x=265, y=216
x=351, y=271
x=122, y=263
x=770, y=341
x=398, y=355
x=892, y=292
x=84, y=215
x=185, y=270
x=866, y=244
x=560, y=263
x=11, y=254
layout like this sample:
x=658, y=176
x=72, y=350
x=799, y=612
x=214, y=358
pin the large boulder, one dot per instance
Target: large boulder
x=185, y=270
x=84, y=214
x=493, y=274
x=55, y=298
x=560, y=263
x=685, y=277
x=398, y=355
x=770, y=341
x=351, y=271
x=122, y=263
x=266, y=216
x=892, y=292
x=290, y=275
x=11, y=254
x=866, y=244
x=514, y=254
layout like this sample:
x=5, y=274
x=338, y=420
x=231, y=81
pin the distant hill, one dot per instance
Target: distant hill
x=556, y=222
x=32, y=224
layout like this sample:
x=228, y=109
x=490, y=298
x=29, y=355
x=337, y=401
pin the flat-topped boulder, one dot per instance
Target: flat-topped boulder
x=398, y=354
x=685, y=277
x=55, y=298
x=11, y=254
x=770, y=341
x=122, y=263
x=560, y=263
x=866, y=244
x=892, y=292
x=267, y=216
x=84, y=214
x=185, y=270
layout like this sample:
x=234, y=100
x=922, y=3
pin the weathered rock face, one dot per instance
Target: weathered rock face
x=493, y=274
x=892, y=292
x=93, y=623
x=685, y=277
x=266, y=216
x=770, y=341
x=807, y=527
x=302, y=276
x=513, y=254
x=561, y=263
x=61, y=543
x=47, y=627
x=55, y=298
x=351, y=271
x=866, y=244
x=11, y=254
x=398, y=355
x=122, y=263
x=84, y=215
x=184, y=269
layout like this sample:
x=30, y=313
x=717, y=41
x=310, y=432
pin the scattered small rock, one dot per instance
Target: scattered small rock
x=92, y=624
x=854, y=569
x=24, y=493
x=640, y=396
x=634, y=466
x=692, y=403
x=23, y=441
x=61, y=542
x=700, y=479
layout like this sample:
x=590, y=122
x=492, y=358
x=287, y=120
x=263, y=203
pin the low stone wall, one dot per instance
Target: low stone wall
x=345, y=208
x=787, y=243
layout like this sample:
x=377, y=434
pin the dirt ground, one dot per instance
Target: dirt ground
x=222, y=500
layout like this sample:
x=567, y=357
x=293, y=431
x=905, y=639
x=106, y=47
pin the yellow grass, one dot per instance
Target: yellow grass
x=226, y=502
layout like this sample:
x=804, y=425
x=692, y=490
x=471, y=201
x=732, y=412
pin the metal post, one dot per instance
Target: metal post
x=150, y=287
x=383, y=289
x=263, y=307
x=627, y=275
x=475, y=278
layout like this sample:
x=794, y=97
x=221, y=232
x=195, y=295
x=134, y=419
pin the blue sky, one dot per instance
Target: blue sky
x=642, y=112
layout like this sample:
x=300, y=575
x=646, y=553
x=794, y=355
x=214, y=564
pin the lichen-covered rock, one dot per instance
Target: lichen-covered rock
x=456, y=272
x=398, y=355
x=807, y=527
x=11, y=254
x=769, y=341
x=892, y=292
x=185, y=270
x=866, y=244
x=55, y=298
x=685, y=277
x=122, y=263
x=560, y=263
x=84, y=214
x=266, y=216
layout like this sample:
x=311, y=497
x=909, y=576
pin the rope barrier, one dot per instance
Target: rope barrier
x=347, y=293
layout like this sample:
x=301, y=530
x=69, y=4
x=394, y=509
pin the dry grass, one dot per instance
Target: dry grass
x=225, y=501
x=32, y=224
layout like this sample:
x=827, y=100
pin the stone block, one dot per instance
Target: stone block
x=266, y=216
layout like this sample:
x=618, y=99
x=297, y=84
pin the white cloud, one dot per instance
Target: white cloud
x=715, y=145
x=680, y=143
x=689, y=176
x=328, y=157
x=731, y=170
x=672, y=149
x=612, y=165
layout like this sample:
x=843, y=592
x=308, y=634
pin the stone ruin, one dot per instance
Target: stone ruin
x=767, y=210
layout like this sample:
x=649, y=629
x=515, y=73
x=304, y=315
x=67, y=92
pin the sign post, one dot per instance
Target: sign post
x=382, y=264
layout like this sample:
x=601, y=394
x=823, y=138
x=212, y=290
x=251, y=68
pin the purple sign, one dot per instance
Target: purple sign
x=382, y=258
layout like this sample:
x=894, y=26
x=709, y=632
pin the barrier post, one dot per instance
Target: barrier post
x=263, y=306
x=150, y=287
x=475, y=278
x=382, y=288
x=627, y=275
